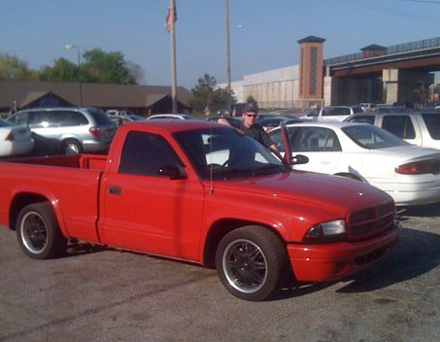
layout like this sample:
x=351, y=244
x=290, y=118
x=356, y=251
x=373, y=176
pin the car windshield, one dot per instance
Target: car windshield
x=224, y=153
x=372, y=137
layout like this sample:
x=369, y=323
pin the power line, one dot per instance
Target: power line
x=429, y=2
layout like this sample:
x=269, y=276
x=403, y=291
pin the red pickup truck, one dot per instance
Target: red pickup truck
x=203, y=193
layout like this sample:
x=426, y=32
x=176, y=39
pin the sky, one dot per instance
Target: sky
x=264, y=34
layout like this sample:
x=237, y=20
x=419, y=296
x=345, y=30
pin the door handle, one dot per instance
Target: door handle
x=114, y=190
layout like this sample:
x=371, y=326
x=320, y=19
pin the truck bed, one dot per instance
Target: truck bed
x=80, y=161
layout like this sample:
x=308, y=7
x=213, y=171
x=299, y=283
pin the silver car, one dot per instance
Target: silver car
x=74, y=130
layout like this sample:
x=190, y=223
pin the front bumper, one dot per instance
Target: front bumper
x=338, y=260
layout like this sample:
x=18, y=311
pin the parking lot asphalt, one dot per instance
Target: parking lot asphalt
x=98, y=294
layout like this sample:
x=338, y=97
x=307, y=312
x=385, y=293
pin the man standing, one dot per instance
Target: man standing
x=251, y=128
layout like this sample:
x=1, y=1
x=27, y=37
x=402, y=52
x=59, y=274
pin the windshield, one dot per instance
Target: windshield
x=225, y=153
x=372, y=137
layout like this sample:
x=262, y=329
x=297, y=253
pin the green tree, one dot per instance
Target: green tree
x=250, y=99
x=14, y=69
x=62, y=71
x=105, y=67
x=206, y=93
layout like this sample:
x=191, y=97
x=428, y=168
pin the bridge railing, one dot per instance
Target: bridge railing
x=406, y=47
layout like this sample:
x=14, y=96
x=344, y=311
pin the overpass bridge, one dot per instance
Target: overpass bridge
x=400, y=73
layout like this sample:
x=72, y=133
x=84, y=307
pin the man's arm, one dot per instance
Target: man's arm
x=273, y=148
x=223, y=121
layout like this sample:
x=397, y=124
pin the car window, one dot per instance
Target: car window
x=313, y=139
x=225, y=153
x=145, y=153
x=70, y=118
x=99, y=116
x=432, y=122
x=20, y=119
x=357, y=110
x=336, y=111
x=362, y=118
x=399, y=125
x=372, y=137
x=42, y=119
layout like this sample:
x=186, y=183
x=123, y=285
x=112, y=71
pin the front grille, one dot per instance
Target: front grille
x=370, y=222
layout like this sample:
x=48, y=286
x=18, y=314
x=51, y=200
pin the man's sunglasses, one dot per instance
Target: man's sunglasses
x=251, y=115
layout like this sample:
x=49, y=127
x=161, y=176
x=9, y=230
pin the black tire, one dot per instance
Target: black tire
x=38, y=232
x=71, y=147
x=251, y=262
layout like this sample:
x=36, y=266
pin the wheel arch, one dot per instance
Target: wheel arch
x=222, y=227
x=22, y=199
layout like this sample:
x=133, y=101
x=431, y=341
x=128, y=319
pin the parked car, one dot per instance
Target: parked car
x=123, y=119
x=410, y=174
x=270, y=122
x=121, y=112
x=421, y=128
x=333, y=113
x=171, y=117
x=228, y=118
x=69, y=130
x=14, y=140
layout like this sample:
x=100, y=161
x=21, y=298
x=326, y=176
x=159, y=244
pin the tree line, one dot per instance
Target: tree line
x=98, y=66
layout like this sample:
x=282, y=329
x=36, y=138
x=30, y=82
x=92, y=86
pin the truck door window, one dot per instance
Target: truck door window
x=145, y=153
x=400, y=125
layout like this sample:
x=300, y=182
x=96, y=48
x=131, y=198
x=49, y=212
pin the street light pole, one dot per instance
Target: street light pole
x=69, y=47
x=228, y=49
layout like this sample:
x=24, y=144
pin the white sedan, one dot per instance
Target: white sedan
x=410, y=174
x=14, y=139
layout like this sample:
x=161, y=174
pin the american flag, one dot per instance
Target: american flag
x=168, y=17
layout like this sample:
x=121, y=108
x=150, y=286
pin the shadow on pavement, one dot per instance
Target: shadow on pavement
x=428, y=210
x=417, y=252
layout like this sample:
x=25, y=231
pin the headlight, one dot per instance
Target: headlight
x=326, y=232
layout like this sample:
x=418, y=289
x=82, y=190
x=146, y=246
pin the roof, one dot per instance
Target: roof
x=94, y=94
x=373, y=47
x=311, y=39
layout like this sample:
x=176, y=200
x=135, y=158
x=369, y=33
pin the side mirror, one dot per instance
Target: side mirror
x=299, y=159
x=171, y=171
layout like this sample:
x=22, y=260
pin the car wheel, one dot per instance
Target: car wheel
x=38, y=232
x=72, y=147
x=251, y=262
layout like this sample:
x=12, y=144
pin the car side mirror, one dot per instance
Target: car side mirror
x=171, y=171
x=299, y=159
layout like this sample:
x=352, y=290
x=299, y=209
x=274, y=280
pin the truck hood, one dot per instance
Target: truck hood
x=332, y=192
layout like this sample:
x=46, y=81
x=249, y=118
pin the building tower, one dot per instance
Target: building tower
x=311, y=71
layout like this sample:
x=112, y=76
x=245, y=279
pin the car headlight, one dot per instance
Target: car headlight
x=326, y=232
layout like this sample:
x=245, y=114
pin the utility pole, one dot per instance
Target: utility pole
x=228, y=49
x=173, y=57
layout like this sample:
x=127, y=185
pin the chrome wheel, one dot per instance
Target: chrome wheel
x=244, y=265
x=34, y=232
x=38, y=232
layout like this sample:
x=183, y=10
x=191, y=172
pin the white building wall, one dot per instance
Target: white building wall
x=276, y=88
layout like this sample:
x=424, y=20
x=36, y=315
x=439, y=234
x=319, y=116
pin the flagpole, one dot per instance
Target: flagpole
x=173, y=57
